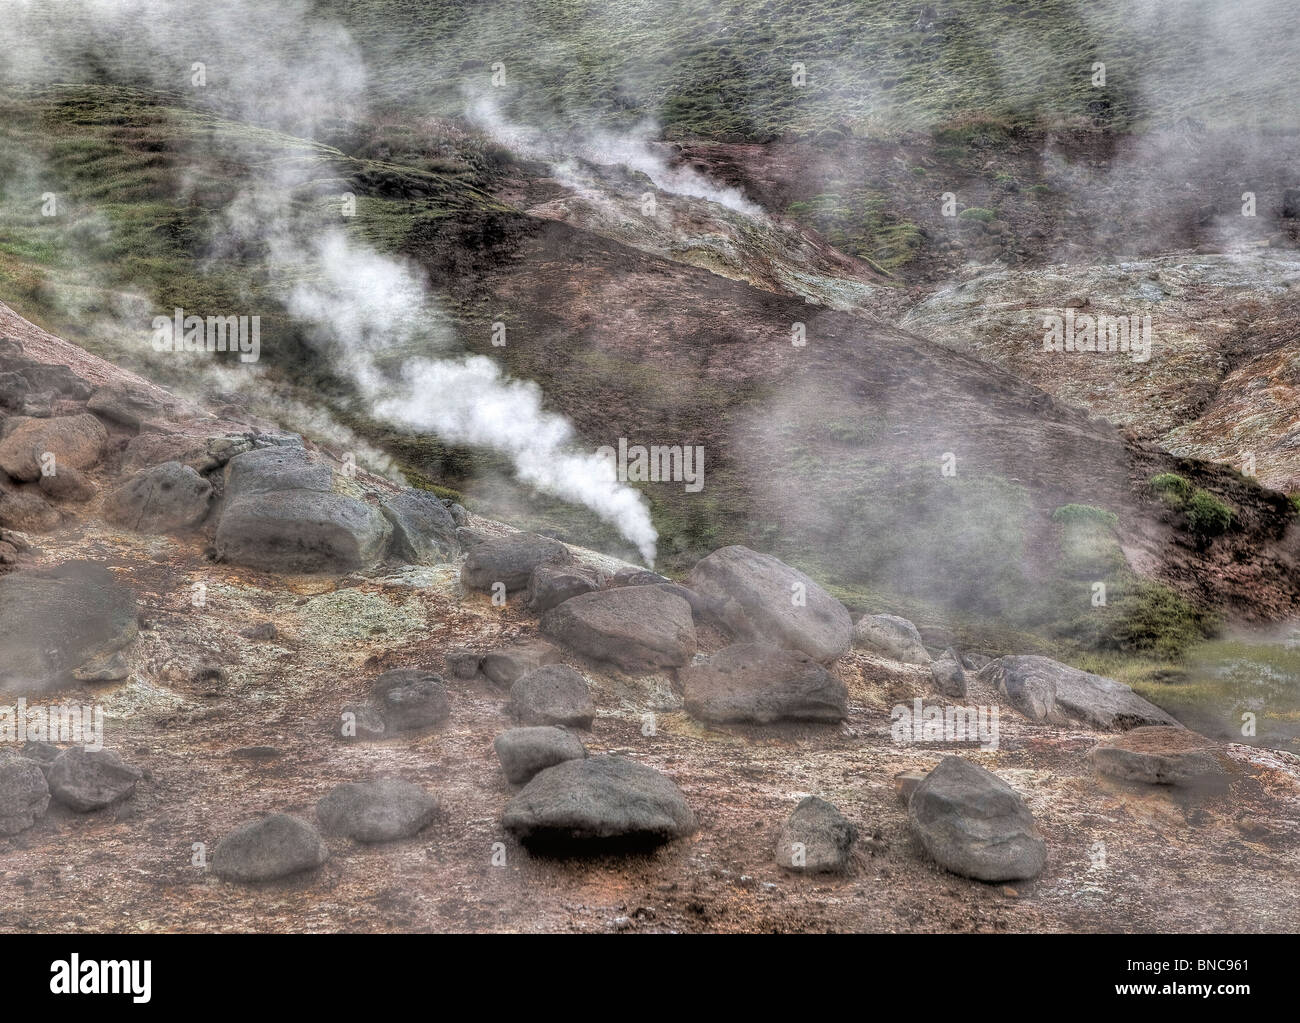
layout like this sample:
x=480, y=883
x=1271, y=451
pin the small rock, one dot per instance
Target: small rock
x=816, y=839
x=948, y=676
x=462, y=664
x=895, y=637
x=376, y=811
x=24, y=794
x=411, y=699
x=261, y=631
x=364, y=721
x=905, y=783
x=598, y=803
x=974, y=824
x=86, y=780
x=524, y=752
x=273, y=847
x=552, y=695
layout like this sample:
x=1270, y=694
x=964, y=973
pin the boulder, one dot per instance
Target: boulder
x=597, y=803
x=462, y=663
x=638, y=628
x=85, y=780
x=1045, y=690
x=1161, y=755
x=948, y=675
x=68, y=484
x=974, y=824
x=366, y=723
x=550, y=585
x=524, y=752
x=57, y=620
x=376, y=811
x=410, y=699
x=906, y=782
x=552, y=695
x=24, y=794
x=755, y=596
x=131, y=404
x=76, y=442
x=424, y=533
x=165, y=498
x=509, y=559
x=507, y=664
x=282, y=515
x=27, y=511
x=200, y=453
x=892, y=636
x=275, y=846
x=816, y=839
x=759, y=683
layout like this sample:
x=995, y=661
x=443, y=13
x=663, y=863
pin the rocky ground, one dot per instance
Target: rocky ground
x=225, y=693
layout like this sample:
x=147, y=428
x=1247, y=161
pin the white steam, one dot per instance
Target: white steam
x=364, y=304
x=633, y=150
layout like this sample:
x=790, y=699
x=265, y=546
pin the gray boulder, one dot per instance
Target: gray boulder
x=1046, y=690
x=424, y=532
x=27, y=510
x=410, y=699
x=282, y=515
x=637, y=628
x=757, y=597
x=552, y=695
x=508, y=559
x=376, y=811
x=550, y=585
x=275, y=846
x=165, y=498
x=598, y=803
x=1161, y=755
x=948, y=675
x=68, y=484
x=58, y=620
x=76, y=442
x=24, y=794
x=816, y=839
x=524, y=752
x=892, y=636
x=131, y=404
x=974, y=824
x=86, y=780
x=756, y=682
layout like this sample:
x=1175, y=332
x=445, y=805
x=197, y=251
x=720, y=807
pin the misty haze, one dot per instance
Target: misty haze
x=647, y=466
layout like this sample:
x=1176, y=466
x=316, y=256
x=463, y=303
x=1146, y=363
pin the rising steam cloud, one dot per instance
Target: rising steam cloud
x=364, y=302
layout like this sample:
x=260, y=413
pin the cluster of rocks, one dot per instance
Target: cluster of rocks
x=77, y=778
x=274, y=505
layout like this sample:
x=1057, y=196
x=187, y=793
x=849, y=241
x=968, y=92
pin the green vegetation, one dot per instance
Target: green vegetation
x=862, y=225
x=1207, y=516
x=1172, y=488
